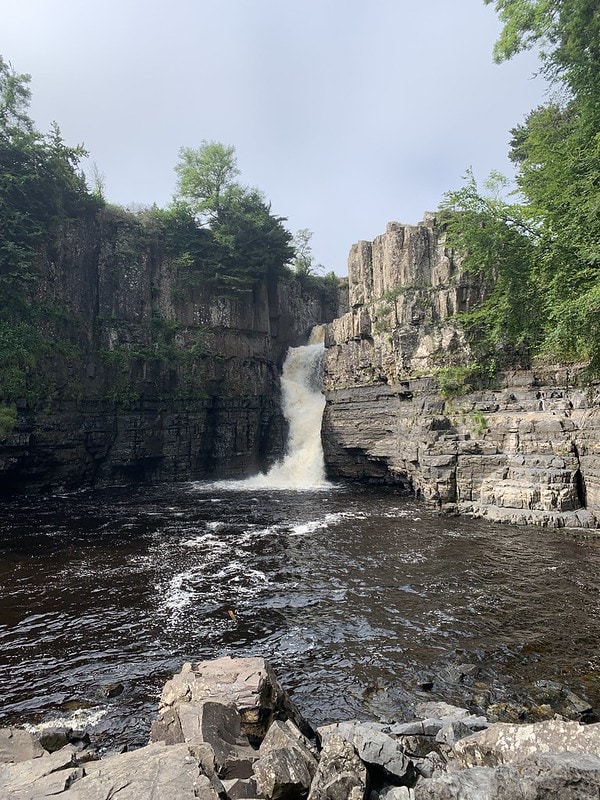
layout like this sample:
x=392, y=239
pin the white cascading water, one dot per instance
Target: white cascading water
x=302, y=402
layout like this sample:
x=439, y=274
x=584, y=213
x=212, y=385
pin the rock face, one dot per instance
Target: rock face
x=151, y=376
x=525, y=451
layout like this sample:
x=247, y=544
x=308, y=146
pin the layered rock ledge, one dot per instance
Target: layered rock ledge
x=226, y=729
x=526, y=450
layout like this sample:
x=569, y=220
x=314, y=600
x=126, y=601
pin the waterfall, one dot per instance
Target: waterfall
x=302, y=403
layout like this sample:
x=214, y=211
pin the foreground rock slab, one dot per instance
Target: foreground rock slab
x=46, y=776
x=286, y=765
x=18, y=745
x=249, y=684
x=375, y=748
x=504, y=743
x=157, y=771
x=341, y=774
x=210, y=710
x=563, y=776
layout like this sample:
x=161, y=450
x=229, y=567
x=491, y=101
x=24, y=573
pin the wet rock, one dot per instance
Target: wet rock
x=45, y=776
x=18, y=745
x=375, y=748
x=560, y=699
x=249, y=684
x=503, y=743
x=111, y=690
x=513, y=712
x=341, y=775
x=53, y=739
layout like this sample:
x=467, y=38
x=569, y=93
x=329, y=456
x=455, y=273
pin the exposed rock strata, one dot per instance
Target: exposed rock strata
x=151, y=375
x=526, y=451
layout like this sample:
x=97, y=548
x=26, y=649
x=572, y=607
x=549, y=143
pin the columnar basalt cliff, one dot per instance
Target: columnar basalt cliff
x=526, y=449
x=151, y=374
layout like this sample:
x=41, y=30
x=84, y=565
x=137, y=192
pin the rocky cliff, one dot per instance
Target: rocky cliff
x=146, y=372
x=522, y=446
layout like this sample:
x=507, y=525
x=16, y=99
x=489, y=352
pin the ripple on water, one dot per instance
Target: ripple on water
x=351, y=593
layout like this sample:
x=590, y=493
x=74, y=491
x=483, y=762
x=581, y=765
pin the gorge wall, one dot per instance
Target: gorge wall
x=523, y=449
x=148, y=373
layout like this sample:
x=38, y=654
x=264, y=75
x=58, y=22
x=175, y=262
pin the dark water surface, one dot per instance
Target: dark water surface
x=352, y=593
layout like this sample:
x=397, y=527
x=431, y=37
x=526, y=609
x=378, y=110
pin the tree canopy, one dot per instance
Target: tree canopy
x=252, y=242
x=551, y=222
x=39, y=186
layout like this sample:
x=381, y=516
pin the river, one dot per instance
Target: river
x=352, y=592
x=363, y=599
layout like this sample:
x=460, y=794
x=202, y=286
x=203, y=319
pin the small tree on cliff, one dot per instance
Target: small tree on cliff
x=252, y=242
x=206, y=179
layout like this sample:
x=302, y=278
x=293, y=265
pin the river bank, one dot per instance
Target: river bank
x=226, y=729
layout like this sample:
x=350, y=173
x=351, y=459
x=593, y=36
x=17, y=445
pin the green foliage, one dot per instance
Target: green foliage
x=501, y=242
x=39, y=187
x=479, y=422
x=253, y=242
x=8, y=419
x=206, y=179
x=170, y=348
x=303, y=262
x=544, y=252
x=459, y=380
x=248, y=241
x=566, y=32
x=15, y=95
x=217, y=234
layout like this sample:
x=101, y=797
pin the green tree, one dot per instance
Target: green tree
x=303, y=262
x=251, y=242
x=553, y=232
x=40, y=188
x=206, y=179
x=501, y=242
x=566, y=33
x=15, y=95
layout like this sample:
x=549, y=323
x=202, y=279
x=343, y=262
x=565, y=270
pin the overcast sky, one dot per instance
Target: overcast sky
x=347, y=114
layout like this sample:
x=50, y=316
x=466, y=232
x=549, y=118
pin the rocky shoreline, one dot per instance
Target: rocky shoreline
x=226, y=729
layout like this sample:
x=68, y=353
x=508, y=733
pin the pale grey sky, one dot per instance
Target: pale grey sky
x=347, y=114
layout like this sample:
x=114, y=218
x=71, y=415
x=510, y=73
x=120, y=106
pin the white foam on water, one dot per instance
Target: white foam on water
x=211, y=543
x=80, y=718
x=325, y=522
x=177, y=596
x=252, y=534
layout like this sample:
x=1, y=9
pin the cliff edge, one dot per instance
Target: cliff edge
x=520, y=446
